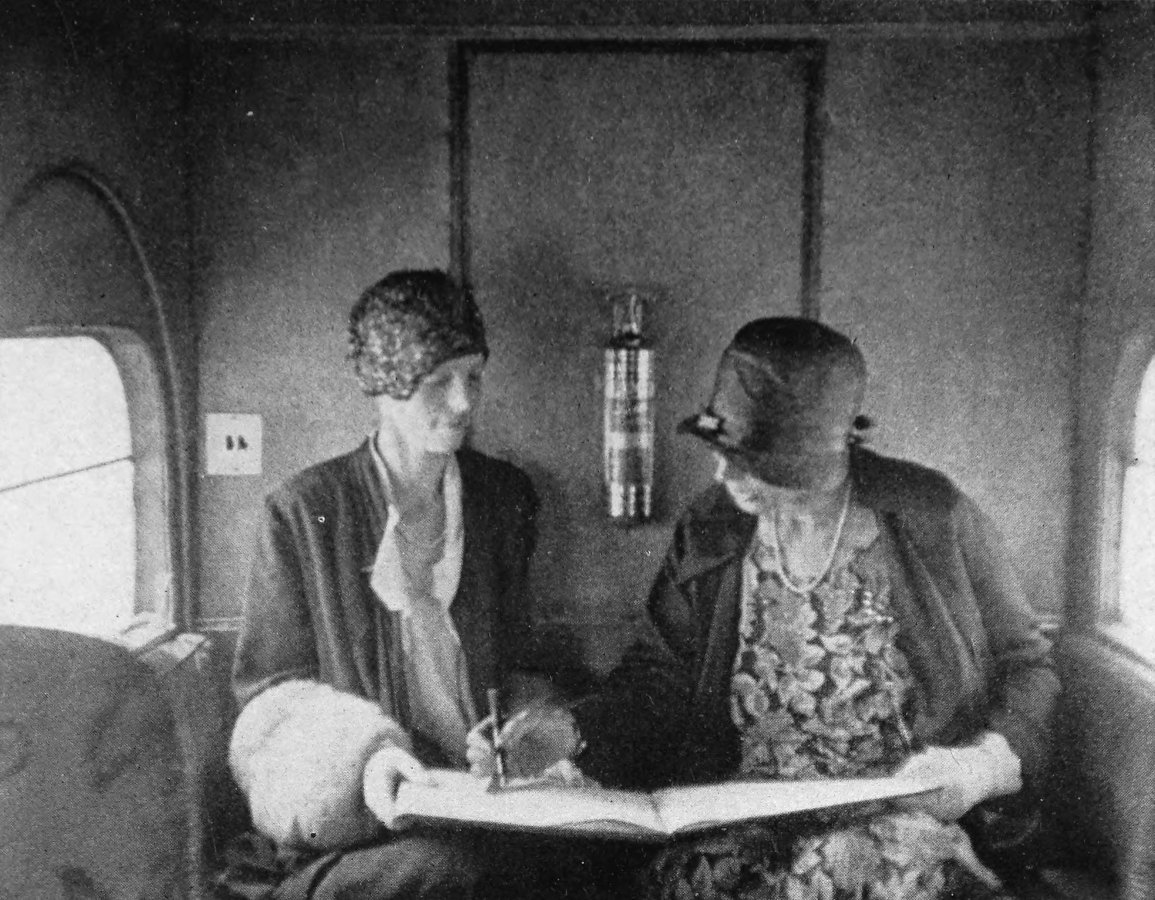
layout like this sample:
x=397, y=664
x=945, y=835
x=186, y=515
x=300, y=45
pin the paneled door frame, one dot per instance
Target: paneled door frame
x=810, y=53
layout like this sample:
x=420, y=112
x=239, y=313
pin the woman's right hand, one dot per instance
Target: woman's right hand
x=535, y=738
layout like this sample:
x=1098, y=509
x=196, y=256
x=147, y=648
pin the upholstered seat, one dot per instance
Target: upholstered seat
x=91, y=797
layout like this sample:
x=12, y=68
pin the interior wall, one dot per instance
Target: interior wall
x=114, y=105
x=1112, y=693
x=316, y=169
x=955, y=184
x=677, y=171
x=1122, y=252
x=954, y=189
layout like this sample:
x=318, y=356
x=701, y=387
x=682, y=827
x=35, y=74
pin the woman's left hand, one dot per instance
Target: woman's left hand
x=969, y=775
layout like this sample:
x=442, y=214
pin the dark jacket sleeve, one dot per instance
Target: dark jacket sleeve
x=276, y=641
x=1023, y=684
x=637, y=725
x=520, y=543
x=526, y=659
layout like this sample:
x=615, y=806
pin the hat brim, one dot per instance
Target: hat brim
x=791, y=471
x=708, y=428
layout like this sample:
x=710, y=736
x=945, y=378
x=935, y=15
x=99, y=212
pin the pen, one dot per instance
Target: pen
x=904, y=733
x=909, y=743
x=498, y=751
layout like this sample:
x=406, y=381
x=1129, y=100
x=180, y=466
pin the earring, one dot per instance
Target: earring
x=858, y=428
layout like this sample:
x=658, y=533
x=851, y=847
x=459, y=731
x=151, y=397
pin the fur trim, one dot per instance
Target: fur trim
x=298, y=751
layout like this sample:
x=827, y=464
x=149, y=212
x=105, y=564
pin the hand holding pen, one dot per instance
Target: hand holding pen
x=524, y=744
x=485, y=744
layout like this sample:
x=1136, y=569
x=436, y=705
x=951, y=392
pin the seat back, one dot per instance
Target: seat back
x=92, y=803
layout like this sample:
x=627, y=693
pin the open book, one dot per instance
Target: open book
x=458, y=797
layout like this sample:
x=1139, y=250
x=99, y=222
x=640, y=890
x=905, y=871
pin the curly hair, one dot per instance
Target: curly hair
x=406, y=325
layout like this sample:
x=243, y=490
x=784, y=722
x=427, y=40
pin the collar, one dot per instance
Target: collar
x=387, y=577
x=717, y=533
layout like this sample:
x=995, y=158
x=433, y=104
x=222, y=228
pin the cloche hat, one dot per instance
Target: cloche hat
x=406, y=325
x=786, y=402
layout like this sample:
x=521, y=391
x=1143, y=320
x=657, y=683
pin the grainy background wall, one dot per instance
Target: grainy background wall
x=985, y=233
x=956, y=201
x=315, y=170
x=116, y=107
x=954, y=181
x=592, y=170
x=1111, y=692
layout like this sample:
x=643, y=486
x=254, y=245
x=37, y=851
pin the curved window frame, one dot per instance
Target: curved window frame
x=1117, y=457
x=154, y=614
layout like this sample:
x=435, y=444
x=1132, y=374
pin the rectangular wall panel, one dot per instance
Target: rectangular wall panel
x=589, y=170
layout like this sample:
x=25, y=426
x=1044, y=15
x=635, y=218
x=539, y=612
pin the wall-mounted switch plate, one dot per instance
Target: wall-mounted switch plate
x=232, y=444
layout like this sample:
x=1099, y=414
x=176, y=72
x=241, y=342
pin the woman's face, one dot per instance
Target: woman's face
x=437, y=417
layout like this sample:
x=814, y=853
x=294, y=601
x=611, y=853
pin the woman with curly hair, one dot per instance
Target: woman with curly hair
x=824, y=612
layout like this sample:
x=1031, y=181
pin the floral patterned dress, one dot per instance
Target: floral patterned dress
x=820, y=688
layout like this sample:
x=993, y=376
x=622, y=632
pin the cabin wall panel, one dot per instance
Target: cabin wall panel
x=955, y=197
x=115, y=108
x=679, y=171
x=1112, y=691
x=1120, y=297
x=1103, y=797
x=317, y=168
x=119, y=114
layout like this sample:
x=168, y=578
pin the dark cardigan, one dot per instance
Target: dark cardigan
x=967, y=628
x=311, y=613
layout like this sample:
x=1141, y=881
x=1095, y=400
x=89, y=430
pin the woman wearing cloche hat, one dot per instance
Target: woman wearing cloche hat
x=825, y=612
x=388, y=595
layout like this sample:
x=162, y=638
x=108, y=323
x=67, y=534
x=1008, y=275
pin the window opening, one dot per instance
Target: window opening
x=83, y=536
x=1136, y=600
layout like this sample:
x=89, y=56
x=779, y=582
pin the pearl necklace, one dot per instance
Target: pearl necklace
x=780, y=556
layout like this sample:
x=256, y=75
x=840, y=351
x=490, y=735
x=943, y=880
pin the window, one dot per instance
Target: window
x=83, y=486
x=1128, y=613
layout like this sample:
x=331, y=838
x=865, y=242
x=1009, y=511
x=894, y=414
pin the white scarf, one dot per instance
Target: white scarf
x=437, y=678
